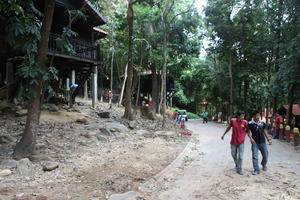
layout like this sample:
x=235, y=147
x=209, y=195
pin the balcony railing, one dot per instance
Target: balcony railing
x=82, y=49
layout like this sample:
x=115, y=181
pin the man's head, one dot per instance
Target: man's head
x=256, y=116
x=240, y=115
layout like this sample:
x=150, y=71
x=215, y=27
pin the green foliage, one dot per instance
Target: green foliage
x=23, y=30
x=189, y=114
x=63, y=42
x=180, y=95
x=193, y=116
x=30, y=73
x=262, y=38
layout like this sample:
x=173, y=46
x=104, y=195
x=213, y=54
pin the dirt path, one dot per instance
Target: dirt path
x=206, y=171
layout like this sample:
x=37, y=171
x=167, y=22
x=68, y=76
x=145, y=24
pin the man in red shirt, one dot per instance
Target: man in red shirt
x=278, y=122
x=239, y=126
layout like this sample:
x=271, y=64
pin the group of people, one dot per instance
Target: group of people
x=180, y=117
x=257, y=132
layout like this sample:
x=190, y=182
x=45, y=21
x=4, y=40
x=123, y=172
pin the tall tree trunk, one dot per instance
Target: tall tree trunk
x=231, y=84
x=112, y=69
x=128, y=111
x=240, y=95
x=277, y=54
x=134, y=81
x=26, y=145
x=164, y=72
x=154, y=88
x=246, y=86
x=268, y=104
x=291, y=100
x=139, y=76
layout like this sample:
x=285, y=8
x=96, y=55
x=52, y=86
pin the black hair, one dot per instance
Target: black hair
x=255, y=113
x=240, y=112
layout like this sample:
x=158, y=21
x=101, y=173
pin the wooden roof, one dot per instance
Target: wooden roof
x=100, y=33
x=93, y=15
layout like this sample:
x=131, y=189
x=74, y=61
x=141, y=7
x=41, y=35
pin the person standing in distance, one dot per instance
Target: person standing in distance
x=239, y=126
x=278, y=122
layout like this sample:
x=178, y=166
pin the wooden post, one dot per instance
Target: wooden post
x=68, y=84
x=73, y=77
x=60, y=83
x=68, y=91
x=138, y=90
x=85, y=91
x=95, y=87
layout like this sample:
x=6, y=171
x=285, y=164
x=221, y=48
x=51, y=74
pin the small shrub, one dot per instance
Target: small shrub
x=193, y=116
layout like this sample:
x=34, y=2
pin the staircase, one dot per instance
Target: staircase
x=82, y=77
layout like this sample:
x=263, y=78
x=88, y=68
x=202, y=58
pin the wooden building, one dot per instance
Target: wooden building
x=295, y=114
x=74, y=68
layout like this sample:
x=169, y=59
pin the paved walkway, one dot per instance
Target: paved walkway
x=205, y=170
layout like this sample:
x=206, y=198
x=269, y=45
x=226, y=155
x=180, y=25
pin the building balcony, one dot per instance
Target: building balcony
x=82, y=50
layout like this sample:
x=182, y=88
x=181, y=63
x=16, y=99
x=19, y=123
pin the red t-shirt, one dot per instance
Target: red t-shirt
x=238, y=131
x=278, y=121
x=174, y=114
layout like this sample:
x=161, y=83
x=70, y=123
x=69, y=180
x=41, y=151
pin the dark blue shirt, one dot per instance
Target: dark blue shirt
x=257, y=130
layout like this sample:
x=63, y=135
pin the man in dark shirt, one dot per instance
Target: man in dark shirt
x=257, y=131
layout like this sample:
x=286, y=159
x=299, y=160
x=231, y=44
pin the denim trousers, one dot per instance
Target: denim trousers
x=262, y=147
x=237, y=152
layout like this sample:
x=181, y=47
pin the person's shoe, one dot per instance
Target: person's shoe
x=240, y=172
x=264, y=168
x=255, y=172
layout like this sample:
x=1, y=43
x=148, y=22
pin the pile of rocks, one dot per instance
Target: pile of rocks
x=23, y=167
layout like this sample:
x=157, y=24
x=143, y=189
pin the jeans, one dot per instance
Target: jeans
x=237, y=152
x=262, y=147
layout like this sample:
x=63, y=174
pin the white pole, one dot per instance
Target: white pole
x=73, y=77
x=95, y=87
x=68, y=84
x=123, y=86
x=85, y=91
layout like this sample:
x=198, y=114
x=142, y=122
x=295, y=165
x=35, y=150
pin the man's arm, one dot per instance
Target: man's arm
x=267, y=137
x=226, y=131
x=250, y=136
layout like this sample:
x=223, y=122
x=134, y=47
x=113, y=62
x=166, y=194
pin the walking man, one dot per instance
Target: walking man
x=238, y=126
x=257, y=131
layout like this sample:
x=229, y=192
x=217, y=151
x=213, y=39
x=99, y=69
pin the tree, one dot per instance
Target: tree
x=26, y=145
x=130, y=18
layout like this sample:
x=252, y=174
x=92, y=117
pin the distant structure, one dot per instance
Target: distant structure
x=75, y=69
